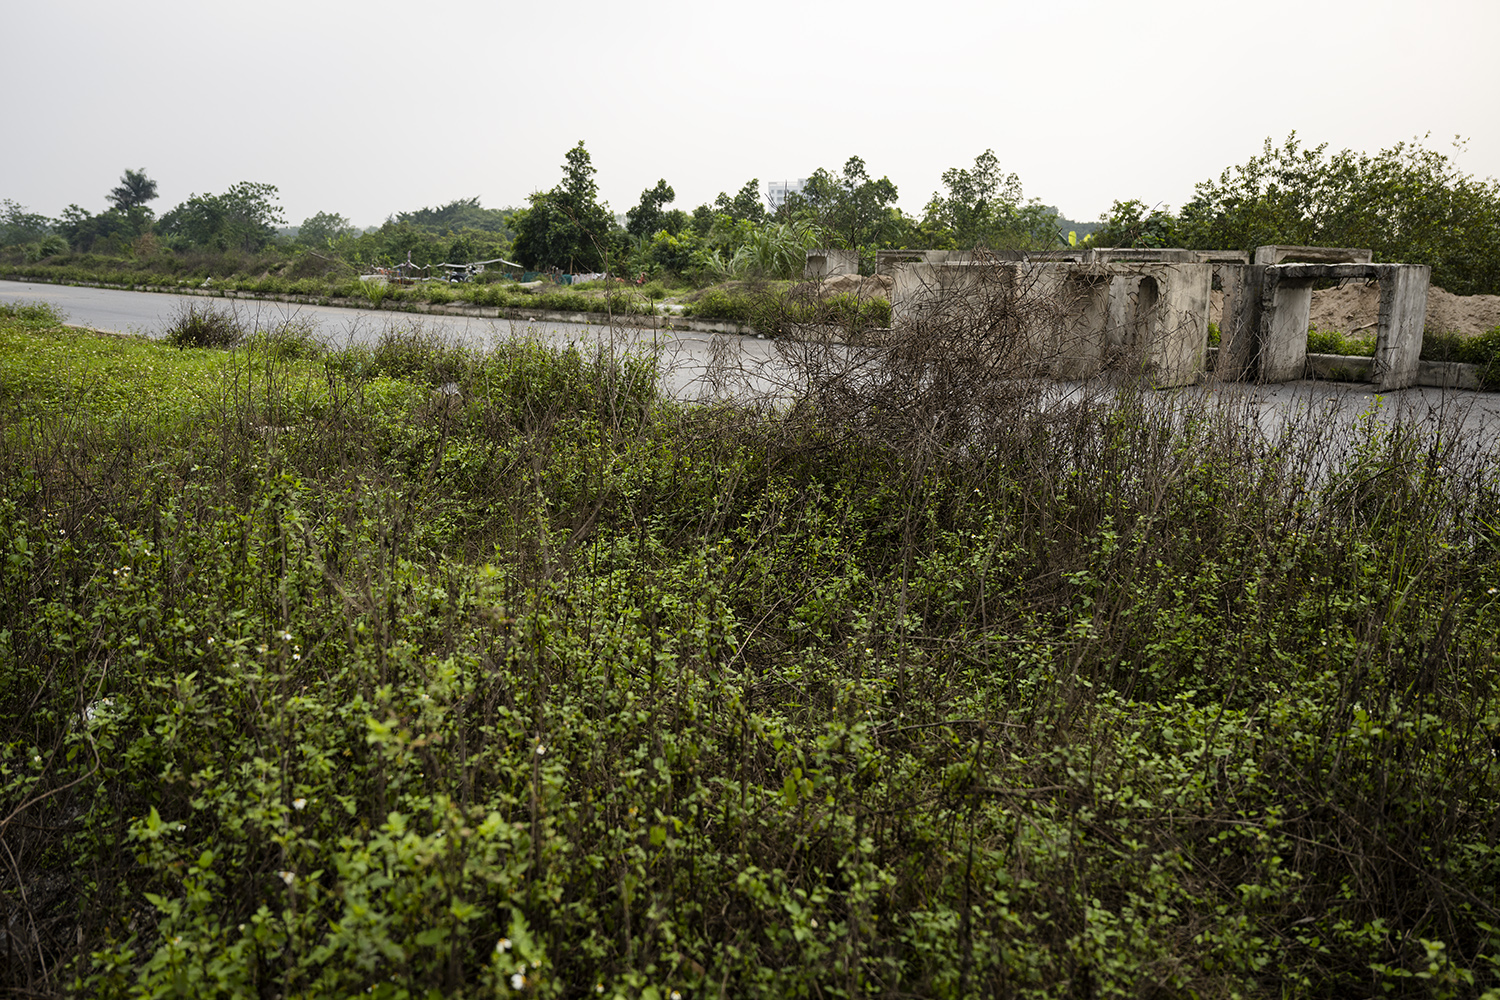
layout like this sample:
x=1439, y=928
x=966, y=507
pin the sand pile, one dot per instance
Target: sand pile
x=1352, y=309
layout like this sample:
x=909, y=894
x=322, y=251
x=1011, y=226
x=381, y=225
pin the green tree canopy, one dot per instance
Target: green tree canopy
x=854, y=209
x=566, y=227
x=1408, y=204
x=1133, y=223
x=645, y=218
x=325, y=228
x=135, y=188
x=984, y=207
x=243, y=218
x=747, y=203
x=17, y=225
x=459, y=215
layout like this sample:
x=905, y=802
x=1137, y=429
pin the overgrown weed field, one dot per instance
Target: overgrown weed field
x=409, y=671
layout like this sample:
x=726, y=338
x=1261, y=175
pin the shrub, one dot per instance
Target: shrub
x=38, y=313
x=205, y=325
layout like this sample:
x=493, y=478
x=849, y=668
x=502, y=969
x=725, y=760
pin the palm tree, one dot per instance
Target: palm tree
x=135, y=189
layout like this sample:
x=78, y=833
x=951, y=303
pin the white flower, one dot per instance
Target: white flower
x=814, y=923
x=676, y=995
x=517, y=982
x=210, y=640
x=288, y=877
x=299, y=804
x=503, y=944
x=598, y=987
x=540, y=749
x=286, y=636
x=1491, y=590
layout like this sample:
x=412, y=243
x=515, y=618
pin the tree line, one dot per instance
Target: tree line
x=1407, y=203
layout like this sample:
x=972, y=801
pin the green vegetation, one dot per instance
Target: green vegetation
x=1408, y=203
x=1483, y=350
x=411, y=671
x=784, y=308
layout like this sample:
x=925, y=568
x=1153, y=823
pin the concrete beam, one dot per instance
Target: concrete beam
x=1313, y=255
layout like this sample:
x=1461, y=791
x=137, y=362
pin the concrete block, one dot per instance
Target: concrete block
x=1398, y=328
x=1239, y=326
x=1285, y=308
x=1312, y=255
x=829, y=263
x=1286, y=301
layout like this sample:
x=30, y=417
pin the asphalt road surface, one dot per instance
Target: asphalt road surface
x=703, y=365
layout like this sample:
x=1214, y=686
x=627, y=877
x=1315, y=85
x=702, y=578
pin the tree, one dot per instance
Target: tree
x=243, y=218
x=645, y=218
x=1408, y=204
x=135, y=189
x=854, y=209
x=746, y=204
x=458, y=215
x=17, y=225
x=324, y=229
x=107, y=232
x=984, y=207
x=566, y=227
x=1135, y=224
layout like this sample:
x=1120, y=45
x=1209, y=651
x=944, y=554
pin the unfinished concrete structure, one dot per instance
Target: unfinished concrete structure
x=1088, y=310
x=829, y=263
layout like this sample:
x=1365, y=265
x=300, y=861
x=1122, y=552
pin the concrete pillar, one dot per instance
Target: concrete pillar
x=1398, y=330
x=1285, y=308
x=1239, y=326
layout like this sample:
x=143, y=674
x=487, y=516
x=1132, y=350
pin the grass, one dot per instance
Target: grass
x=1482, y=350
x=412, y=670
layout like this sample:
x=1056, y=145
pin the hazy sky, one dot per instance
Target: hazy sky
x=375, y=107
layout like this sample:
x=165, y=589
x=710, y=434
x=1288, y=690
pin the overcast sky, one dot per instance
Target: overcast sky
x=370, y=108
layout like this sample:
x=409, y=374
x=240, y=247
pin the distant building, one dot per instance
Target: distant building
x=777, y=191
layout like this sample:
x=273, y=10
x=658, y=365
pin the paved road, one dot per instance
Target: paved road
x=754, y=367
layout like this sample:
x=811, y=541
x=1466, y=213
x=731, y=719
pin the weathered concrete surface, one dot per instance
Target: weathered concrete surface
x=1286, y=303
x=830, y=262
x=1285, y=306
x=1313, y=255
x=1398, y=330
x=1159, y=313
x=1239, y=326
x=1073, y=319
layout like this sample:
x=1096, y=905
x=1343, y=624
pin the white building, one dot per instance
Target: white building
x=777, y=191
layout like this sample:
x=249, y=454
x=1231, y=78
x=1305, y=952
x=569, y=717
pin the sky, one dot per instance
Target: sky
x=371, y=108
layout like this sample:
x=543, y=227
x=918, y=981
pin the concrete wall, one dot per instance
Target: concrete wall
x=830, y=262
x=1077, y=313
x=1070, y=320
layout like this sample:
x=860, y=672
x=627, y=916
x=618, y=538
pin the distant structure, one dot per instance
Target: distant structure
x=777, y=192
